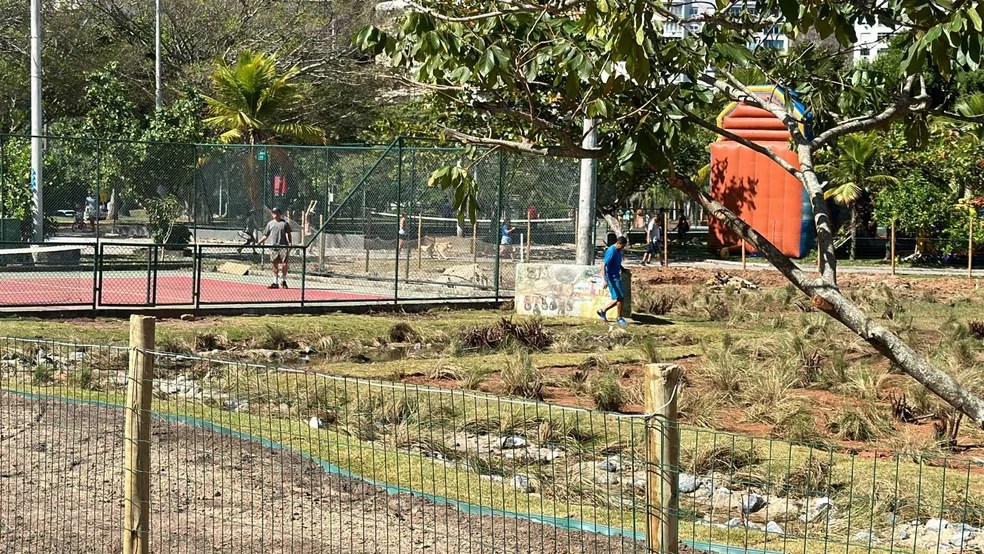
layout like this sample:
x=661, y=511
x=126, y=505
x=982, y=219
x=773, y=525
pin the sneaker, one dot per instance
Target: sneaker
x=283, y=284
x=621, y=321
x=273, y=286
x=602, y=315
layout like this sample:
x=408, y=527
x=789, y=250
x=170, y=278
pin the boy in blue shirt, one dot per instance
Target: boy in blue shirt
x=613, y=279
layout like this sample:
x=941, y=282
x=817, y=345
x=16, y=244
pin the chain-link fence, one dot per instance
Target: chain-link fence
x=180, y=224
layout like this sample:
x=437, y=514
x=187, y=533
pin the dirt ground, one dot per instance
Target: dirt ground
x=61, y=483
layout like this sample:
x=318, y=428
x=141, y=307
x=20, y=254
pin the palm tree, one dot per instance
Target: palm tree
x=851, y=174
x=256, y=105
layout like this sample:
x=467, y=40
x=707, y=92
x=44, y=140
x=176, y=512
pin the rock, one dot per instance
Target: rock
x=961, y=538
x=961, y=527
x=773, y=527
x=234, y=405
x=316, y=423
x=688, y=483
x=817, y=509
x=865, y=536
x=607, y=478
x=937, y=524
x=735, y=522
x=611, y=465
x=902, y=535
x=778, y=508
x=187, y=317
x=639, y=484
x=751, y=503
x=513, y=441
x=548, y=454
x=522, y=483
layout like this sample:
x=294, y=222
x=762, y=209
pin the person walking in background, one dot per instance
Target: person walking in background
x=612, y=272
x=640, y=219
x=92, y=209
x=682, y=227
x=654, y=234
x=506, y=239
x=278, y=232
x=403, y=234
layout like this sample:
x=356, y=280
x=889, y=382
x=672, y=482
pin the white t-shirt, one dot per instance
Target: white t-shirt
x=655, y=231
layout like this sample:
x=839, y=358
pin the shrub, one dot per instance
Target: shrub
x=860, y=424
x=649, y=350
x=84, y=378
x=798, y=426
x=403, y=332
x=206, y=342
x=724, y=459
x=607, y=392
x=276, y=338
x=976, y=328
x=473, y=377
x=521, y=378
x=43, y=374
x=530, y=334
x=655, y=303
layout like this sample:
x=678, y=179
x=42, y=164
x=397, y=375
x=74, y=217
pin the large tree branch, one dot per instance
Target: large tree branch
x=904, y=104
x=827, y=297
x=529, y=148
x=740, y=93
x=768, y=152
x=519, y=7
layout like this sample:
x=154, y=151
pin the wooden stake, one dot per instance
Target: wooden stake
x=136, y=437
x=743, y=254
x=891, y=240
x=367, y=260
x=420, y=240
x=666, y=239
x=321, y=242
x=662, y=458
x=970, y=248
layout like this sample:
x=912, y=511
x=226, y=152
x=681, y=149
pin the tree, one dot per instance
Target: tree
x=545, y=65
x=853, y=175
x=256, y=104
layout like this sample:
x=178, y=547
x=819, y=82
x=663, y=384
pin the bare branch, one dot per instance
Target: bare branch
x=528, y=148
x=905, y=104
x=519, y=8
x=768, y=152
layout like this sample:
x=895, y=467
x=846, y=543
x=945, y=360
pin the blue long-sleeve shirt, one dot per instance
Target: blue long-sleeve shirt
x=613, y=263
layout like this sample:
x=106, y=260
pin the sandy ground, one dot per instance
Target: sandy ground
x=61, y=492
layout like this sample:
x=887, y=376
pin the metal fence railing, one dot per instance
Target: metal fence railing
x=255, y=458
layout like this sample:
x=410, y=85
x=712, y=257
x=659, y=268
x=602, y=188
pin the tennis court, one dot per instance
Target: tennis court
x=139, y=289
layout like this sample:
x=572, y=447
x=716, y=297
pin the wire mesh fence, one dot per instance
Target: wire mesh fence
x=364, y=223
x=258, y=458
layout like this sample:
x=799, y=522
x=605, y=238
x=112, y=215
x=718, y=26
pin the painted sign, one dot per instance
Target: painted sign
x=565, y=290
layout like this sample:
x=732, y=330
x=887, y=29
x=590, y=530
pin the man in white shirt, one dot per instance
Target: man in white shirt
x=654, y=234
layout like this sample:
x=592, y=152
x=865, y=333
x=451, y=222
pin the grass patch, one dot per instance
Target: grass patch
x=521, y=377
x=607, y=392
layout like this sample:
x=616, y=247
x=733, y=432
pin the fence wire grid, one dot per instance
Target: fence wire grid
x=145, y=224
x=255, y=458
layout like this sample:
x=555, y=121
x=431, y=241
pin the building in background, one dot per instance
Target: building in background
x=872, y=40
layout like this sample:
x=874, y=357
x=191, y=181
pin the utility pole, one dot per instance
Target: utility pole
x=37, y=160
x=158, y=96
x=586, y=197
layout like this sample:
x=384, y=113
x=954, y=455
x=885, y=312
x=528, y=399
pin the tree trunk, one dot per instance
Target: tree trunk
x=828, y=298
x=614, y=222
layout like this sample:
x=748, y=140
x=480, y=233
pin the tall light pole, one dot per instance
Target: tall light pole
x=158, y=96
x=37, y=160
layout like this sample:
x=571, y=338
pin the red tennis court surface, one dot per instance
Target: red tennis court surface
x=71, y=290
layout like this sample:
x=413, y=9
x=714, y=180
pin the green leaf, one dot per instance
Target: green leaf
x=790, y=10
x=486, y=64
x=975, y=20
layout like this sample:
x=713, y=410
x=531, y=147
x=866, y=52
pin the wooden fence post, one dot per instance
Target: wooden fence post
x=529, y=239
x=970, y=248
x=475, y=242
x=666, y=239
x=743, y=255
x=891, y=240
x=662, y=458
x=136, y=437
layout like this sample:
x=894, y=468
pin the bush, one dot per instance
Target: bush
x=403, y=332
x=43, y=374
x=529, y=334
x=607, y=392
x=655, y=303
x=858, y=424
x=521, y=378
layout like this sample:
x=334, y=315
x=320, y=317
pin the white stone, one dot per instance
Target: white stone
x=315, y=423
x=960, y=539
x=735, y=522
x=865, y=536
x=514, y=441
x=688, y=483
x=522, y=483
x=751, y=503
x=937, y=524
x=902, y=535
x=773, y=527
x=610, y=464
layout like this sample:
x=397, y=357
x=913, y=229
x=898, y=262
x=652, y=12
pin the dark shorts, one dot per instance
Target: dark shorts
x=615, y=288
x=279, y=256
x=651, y=248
